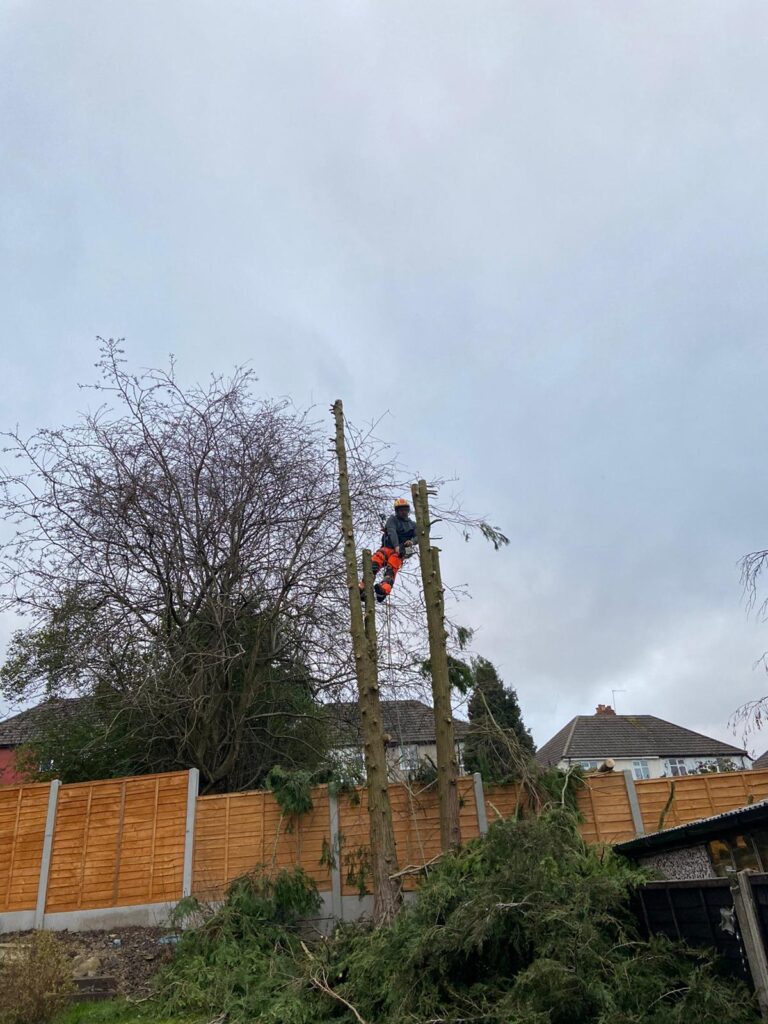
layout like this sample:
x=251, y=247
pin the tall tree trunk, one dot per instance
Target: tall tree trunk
x=447, y=764
x=386, y=891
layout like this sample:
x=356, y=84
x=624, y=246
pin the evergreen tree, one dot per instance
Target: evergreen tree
x=498, y=741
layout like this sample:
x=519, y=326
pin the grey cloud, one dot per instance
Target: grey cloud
x=534, y=233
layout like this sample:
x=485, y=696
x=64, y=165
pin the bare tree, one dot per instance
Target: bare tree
x=191, y=539
x=183, y=546
x=753, y=714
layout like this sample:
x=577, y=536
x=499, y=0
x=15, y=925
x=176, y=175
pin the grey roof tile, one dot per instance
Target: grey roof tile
x=405, y=721
x=24, y=726
x=599, y=736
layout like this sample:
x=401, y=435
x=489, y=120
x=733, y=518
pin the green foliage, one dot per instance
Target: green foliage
x=460, y=674
x=132, y=717
x=91, y=739
x=120, y=1011
x=426, y=774
x=292, y=790
x=36, y=982
x=242, y=960
x=529, y=926
x=357, y=868
x=497, y=736
x=712, y=767
x=492, y=534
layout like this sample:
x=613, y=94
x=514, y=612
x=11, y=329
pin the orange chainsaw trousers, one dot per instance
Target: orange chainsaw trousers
x=388, y=560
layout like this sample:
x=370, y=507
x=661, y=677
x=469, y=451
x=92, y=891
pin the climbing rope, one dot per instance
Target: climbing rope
x=407, y=783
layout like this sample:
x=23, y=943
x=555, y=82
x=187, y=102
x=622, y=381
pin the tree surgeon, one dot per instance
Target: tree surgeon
x=396, y=546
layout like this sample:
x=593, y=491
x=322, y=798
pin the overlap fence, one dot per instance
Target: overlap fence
x=76, y=855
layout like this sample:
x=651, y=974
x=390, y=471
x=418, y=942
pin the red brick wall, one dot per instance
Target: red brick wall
x=8, y=774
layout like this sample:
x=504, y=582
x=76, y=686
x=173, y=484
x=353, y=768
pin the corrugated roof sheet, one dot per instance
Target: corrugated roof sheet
x=599, y=736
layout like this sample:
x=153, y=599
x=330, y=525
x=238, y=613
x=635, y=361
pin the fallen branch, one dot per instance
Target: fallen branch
x=323, y=986
x=416, y=869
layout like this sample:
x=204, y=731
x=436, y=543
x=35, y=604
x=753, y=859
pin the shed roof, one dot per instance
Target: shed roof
x=701, y=830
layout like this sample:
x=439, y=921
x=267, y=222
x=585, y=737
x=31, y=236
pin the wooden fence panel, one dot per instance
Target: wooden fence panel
x=121, y=842
x=240, y=832
x=416, y=823
x=697, y=796
x=470, y=827
x=604, y=805
x=355, y=840
x=23, y=810
x=118, y=843
x=501, y=802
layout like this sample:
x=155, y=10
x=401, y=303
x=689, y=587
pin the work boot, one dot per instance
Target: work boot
x=382, y=592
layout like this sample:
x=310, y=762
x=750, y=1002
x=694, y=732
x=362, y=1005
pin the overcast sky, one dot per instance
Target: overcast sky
x=534, y=233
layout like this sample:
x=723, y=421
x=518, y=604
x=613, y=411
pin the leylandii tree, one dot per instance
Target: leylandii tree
x=497, y=737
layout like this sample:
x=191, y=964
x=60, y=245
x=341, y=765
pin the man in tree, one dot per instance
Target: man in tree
x=498, y=741
x=396, y=546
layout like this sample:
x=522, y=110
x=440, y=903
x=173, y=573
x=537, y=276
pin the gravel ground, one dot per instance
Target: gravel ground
x=131, y=955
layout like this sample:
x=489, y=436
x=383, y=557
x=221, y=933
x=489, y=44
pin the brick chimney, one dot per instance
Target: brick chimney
x=604, y=709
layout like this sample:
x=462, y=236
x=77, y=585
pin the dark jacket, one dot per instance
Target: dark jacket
x=397, y=531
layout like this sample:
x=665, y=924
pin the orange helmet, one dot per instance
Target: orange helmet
x=401, y=503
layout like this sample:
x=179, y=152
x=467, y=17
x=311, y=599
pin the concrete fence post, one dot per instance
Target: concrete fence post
x=337, y=903
x=45, y=862
x=634, y=803
x=749, y=926
x=482, y=816
x=193, y=786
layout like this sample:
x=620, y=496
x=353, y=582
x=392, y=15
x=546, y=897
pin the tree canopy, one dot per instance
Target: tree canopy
x=497, y=736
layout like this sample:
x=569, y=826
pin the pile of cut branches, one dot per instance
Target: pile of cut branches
x=529, y=926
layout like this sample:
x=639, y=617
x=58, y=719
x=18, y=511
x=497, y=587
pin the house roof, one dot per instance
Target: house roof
x=762, y=761
x=405, y=721
x=609, y=735
x=703, y=829
x=25, y=726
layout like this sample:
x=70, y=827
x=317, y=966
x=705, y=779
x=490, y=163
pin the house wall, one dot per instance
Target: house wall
x=396, y=758
x=8, y=774
x=657, y=766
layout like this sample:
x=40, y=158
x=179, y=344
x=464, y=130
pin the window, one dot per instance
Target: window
x=744, y=855
x=733, y=854
x=676, y=766
x=588, y=766
x=760, y=839
x=640, y=770
x=409, y=757
x=720, y=856
x=460, y=757
x=349, y=762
